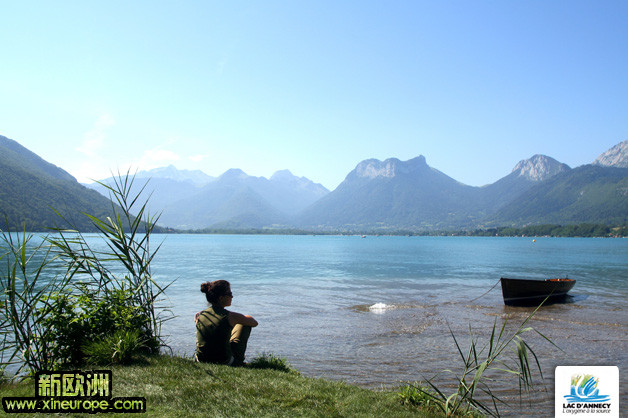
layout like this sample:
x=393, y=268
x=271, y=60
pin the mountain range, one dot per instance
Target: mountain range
x=232, y=200
x=375, y=196
x=413, y=195
x=394, y=194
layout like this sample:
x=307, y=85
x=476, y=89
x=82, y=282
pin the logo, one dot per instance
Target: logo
x=73, y=392
x=587, y=390
x=584, y=389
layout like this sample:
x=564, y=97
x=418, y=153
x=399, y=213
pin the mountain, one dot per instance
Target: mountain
x=31, y=188
x=590, y=193
x=196, y=177
x=523, y=176
x=237, y=200
x=289, y=193
x=539, y=168
x=376, y=195
x=614, y=157
x=226, y=199
x=411, y=195
x=596, y=193
x=223, y=206
x=162, y=186
x=193, y=200
x=393, y=194
x=16, y=156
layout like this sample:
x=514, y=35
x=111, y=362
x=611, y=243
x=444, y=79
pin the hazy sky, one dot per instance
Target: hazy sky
x=313, y=86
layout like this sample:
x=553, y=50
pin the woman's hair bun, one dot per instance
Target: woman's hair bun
x=205, y=287
x=213, y=290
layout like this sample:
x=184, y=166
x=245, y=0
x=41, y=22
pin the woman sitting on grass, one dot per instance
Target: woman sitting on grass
x=221, y=335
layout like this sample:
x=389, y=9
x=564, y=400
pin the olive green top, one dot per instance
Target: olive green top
x=213, y=333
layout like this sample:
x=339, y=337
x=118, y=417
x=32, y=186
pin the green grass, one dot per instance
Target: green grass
x=177, y=387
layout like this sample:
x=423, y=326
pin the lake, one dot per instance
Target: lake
x=377, y=311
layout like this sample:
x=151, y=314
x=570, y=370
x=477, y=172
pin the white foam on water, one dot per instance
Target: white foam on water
x=379, y=308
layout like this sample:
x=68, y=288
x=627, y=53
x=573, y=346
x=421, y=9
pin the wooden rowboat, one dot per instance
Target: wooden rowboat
x=533, y=292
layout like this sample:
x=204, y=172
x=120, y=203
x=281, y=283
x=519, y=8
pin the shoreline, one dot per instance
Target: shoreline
x=584, y=230
x=411, y=341
x=174, y=386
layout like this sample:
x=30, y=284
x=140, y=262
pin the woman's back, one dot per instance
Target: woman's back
x=213, y=332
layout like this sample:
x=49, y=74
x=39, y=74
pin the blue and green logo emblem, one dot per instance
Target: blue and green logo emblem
x=584, y=389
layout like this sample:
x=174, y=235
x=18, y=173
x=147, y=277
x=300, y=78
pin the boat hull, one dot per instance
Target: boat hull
x=533, y=292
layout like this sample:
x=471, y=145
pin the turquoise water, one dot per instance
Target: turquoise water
x=377, y=311
x=314, y=297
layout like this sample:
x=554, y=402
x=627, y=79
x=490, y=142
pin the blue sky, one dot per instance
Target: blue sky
x=313, y=86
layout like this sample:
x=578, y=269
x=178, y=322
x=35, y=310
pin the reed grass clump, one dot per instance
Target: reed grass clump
x=26, y=299
x=67, y=299
x=473, y=395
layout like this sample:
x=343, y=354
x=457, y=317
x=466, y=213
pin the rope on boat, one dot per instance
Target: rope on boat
x=484, y=294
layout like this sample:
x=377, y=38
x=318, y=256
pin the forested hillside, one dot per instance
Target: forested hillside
x=32, y=189
x=587, y=194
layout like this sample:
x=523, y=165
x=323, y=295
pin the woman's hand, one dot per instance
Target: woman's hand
x=196, y=317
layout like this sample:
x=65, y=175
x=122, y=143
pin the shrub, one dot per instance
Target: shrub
x=78, y=322
x=52, y=316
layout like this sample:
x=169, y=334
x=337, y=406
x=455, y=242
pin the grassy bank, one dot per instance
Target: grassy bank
x=177, y=387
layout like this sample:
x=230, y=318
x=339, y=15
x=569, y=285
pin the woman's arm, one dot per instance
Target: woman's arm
x=246, y=320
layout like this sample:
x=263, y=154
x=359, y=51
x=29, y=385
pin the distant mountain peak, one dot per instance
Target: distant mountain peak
x=539, y=168
x=285, y=178
x=373, y=168
x=170, y=172
x=614, y=157
x=233, y=174
x=282, y=175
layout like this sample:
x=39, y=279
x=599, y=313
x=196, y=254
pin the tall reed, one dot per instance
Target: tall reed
x=24, y=302
x=127, y=238
x=473, y=393
x=63, y=288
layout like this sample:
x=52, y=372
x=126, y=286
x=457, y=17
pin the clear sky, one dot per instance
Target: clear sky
x=313, y=86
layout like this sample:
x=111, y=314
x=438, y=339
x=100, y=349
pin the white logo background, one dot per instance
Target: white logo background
x=608, y=385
